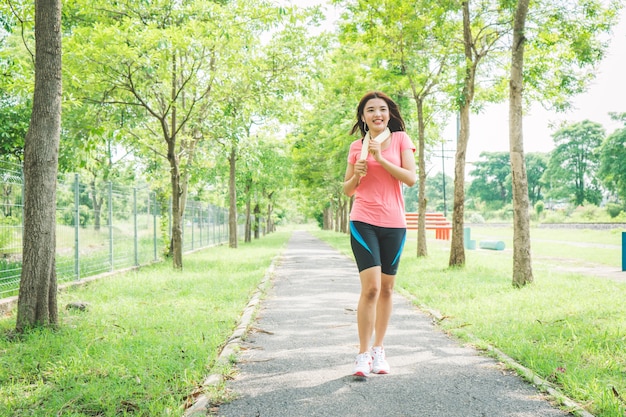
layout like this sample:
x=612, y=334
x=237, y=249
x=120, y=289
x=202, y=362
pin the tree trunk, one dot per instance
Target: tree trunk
x=269, y=223
x=37, y=300
x=457, y=248
x=338, y=214
x=177, y=231
x=422, y=249
x=522, y=266
x=327, y=222
x=345, y=212
x=232, y=196
x=97, y=206
x=257, y=221
x=177, y=192
x=248, y=228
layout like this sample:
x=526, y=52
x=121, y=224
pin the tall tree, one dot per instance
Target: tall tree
x=438, y=191
x=320, y=142
x=613, y=160
x=522, y=266
x=261, y=86
x=482, y=31
x=564, y=45
x=536, y=165
x=37, y=301
x=492, y=179
x=573, y=168
x=163, y=62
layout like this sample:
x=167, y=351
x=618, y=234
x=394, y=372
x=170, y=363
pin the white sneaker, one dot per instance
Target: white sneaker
x=362, y=364
x=380, y=364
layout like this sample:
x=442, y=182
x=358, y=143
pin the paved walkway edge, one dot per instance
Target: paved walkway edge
x=202, y=403
x=541, y=384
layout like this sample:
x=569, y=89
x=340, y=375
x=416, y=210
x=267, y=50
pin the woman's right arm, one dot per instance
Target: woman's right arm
x=353, y=177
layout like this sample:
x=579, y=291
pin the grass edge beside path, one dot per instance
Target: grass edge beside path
x=566, y=328
x=147, y=342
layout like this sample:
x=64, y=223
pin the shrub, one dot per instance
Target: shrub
x=613, y=209
x=539, y=208
x=84, y=212
x=555, y=216
x=7, y=231
x=475, y=218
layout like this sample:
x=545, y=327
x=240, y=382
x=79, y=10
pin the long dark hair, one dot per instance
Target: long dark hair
x=395, y=119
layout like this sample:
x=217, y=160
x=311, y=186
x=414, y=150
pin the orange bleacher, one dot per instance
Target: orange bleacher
x=434, y=221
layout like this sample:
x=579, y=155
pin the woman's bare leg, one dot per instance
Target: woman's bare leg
x=366, y=310
x=384, y=306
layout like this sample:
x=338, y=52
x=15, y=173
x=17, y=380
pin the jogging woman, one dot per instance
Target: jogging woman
x=377, y=222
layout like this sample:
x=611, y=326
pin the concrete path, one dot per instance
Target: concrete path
x=297, y=359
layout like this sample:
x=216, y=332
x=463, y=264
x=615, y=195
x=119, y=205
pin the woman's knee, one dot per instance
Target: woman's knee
x=370, y=293
x=386, y=292
x=386, y=286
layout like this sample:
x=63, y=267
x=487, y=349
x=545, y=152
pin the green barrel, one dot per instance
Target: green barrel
x=492, y=244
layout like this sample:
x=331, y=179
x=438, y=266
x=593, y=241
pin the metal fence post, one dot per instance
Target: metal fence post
x=154, y=225
x=135, y=226
x=193, y=218
x=76, y=226
x=169, y=224
x=212, y=218
x=199, y=224
x=110, y=203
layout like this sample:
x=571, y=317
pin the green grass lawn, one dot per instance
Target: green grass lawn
x=147, y=341
x=150, y=337
x=569, y=328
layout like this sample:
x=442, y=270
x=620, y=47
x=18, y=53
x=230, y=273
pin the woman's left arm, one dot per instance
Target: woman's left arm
x=405, y=172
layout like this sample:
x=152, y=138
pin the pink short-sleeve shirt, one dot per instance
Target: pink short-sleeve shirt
x=378, y=198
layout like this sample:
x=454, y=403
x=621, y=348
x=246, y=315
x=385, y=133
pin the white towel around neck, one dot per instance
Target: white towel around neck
x=366, y=141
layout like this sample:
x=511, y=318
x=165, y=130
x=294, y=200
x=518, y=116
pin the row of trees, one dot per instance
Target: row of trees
x=191, y=96
x=244, y=101
x=440, y=58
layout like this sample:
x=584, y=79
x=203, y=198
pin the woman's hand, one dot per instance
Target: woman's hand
x=375, y=150
x=360, y=168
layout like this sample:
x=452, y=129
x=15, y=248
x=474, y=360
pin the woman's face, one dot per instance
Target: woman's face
x=376, y=115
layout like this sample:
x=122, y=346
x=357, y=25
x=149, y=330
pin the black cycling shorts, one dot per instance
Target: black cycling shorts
x=377, y=246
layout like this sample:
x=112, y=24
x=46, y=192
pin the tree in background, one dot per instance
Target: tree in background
x=14, y=125
x=563, y=43
x=612, y=170
x=16, y=88
x=536, y=165
x=320, y=141
x=574, y=162
x=492, y=179
x=260, y=89
x=37, y=300
x=436, y=198
x=160, y=61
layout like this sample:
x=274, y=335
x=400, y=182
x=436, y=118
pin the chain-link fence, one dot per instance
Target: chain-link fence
x=101, y=227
